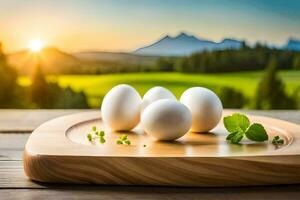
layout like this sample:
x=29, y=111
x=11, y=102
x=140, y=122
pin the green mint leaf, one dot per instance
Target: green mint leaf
x=94, y=128
x=236, y=138
x=231, y=135
x=102, y=133
x=256, y=132
x=236, y=123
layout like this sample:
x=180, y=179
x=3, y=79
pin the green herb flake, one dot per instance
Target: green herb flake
x=102, y=140
x=119, y=142
x=94, y=128
x=277, y=140
x=102, y=133
x=90, y=137
x=123, y=137
x=127, y=142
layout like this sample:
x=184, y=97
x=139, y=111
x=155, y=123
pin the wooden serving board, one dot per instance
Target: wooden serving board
x=59, y=152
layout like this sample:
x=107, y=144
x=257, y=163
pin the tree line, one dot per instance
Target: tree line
x=231, y=60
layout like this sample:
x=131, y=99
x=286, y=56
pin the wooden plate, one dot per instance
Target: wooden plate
x=58, y=151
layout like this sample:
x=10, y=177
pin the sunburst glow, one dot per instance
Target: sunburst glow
x=36, y=45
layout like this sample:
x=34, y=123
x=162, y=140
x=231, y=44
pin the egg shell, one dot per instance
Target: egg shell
x=205, y=106
x=166, y=119
x=154, y=94
x=120, y=108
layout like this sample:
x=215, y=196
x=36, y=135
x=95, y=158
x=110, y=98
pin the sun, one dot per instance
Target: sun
x=36, y=45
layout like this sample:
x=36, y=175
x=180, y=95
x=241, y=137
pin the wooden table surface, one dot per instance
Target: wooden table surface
x=16, y=126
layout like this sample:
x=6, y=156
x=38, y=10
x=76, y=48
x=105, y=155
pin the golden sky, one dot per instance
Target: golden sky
x=124, y=25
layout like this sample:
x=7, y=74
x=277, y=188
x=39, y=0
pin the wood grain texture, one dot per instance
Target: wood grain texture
x=12, y=146
x=58, y=152
x=155, y=193
x=25, y=121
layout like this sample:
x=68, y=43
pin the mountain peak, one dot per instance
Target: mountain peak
x=182, y=34
x=293, y=44
x=185, y=44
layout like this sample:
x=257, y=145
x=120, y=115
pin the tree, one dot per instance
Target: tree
x=270, y=93
x=40, y=93
x=296, y=63
x=232, y=98
x=165, y=64
x=8, y=79
x=296, y=97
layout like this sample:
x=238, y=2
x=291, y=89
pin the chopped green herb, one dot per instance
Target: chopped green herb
x=277, y=141
x=96, y=134
x=119, y=142
x=102, y=140
x=123, y=137
x=144, y=145
x=123, y=140
x=90, y=137
x=238, y=125
x=102, y=133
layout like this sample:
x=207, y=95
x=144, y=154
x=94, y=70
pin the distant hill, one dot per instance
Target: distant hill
x=96, y=56
x=52, y=59
x=293, y=45
x=55, y=61
x=185, y=44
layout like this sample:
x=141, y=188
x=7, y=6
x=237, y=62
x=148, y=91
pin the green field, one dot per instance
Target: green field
x=95, y=86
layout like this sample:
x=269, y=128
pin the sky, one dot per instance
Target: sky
x=124, y=25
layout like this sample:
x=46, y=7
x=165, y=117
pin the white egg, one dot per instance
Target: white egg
x=205, y=106
x=121, y=108
x=154, y=94
x=166, y=119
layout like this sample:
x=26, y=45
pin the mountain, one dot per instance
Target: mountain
x=55, y=61
x=293, y=45
x=185, y=44
x=101, y=56
x=52, y=59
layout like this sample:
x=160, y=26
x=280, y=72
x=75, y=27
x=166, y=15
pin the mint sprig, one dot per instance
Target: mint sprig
x=238, y=125
x=277, y=140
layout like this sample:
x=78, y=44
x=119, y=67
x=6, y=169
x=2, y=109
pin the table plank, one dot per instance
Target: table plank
x=12, y=176
x=147, y=193
x=12, y=146
x=19, y=121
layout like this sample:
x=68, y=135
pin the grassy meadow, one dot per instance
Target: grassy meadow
x=96, y=86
